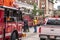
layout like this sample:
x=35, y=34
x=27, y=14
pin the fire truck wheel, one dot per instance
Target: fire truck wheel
x=14, y=35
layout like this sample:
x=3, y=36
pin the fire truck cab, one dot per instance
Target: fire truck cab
x=10, y=23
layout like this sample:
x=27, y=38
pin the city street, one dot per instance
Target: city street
x=31, y=36
x=18, y=16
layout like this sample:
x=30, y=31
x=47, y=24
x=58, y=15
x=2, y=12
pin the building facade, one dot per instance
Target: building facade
x=50, y=7
x=47, y=7
x=29, y=1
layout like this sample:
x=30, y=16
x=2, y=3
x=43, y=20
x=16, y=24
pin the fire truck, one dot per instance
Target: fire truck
x=10, y=23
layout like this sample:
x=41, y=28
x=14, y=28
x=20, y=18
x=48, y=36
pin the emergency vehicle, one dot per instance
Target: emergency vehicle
x=10, y=24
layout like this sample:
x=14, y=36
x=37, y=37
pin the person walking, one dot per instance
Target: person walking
x=35, y=24
x=26, y=28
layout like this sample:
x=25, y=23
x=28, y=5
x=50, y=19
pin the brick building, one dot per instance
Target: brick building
x=27, y=5
x=28, y=1
x=47, y=7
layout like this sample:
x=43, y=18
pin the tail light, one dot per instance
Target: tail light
x=40, y=30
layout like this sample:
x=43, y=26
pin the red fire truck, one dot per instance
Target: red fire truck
x=10, y=23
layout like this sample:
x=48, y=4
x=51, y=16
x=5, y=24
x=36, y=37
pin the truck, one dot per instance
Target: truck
x=50, y=30
x=10, y=26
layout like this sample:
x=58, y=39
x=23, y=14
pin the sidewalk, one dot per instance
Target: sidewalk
x=31, y=31
x=30, y=35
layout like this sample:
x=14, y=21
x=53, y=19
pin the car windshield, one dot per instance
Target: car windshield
x=53, y=22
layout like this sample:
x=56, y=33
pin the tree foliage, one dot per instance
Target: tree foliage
x=35, y=10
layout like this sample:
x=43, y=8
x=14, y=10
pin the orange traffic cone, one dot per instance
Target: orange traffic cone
x=24, y=35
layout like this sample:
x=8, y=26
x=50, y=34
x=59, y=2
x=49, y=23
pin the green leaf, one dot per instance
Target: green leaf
x=34, y=11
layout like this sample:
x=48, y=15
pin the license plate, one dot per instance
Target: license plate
x=52, y=37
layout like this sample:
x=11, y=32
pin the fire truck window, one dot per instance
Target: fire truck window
x=15, y=13
x=10, y=13
x=4, y=19
x=6, y=12
x=19, y=15
x=11, y=20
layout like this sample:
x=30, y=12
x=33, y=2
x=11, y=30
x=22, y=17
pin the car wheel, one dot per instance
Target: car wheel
x=52, y=39
x=42, y=39
x=14, y=35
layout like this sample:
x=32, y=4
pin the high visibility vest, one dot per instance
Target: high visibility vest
x=35, y=22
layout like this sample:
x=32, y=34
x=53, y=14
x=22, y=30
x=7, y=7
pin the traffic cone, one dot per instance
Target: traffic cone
x=24, y=35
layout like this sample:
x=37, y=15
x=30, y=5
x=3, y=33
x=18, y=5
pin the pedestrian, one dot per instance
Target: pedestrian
x=35, y=24
x=26, y=26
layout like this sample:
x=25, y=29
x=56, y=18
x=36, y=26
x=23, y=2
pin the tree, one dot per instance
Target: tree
x=41, y=12
x=35, y=10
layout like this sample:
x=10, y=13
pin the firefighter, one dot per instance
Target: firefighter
x=26, y=26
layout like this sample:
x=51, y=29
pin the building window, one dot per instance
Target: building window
x=18, y=0
x=43, y=7
x=51, y=1
x=43, y=4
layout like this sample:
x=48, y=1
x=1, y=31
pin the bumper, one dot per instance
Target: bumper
x=49, y=36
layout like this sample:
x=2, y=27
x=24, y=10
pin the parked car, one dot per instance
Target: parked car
x=50, y=30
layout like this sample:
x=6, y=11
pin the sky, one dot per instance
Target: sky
x=56, y=4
